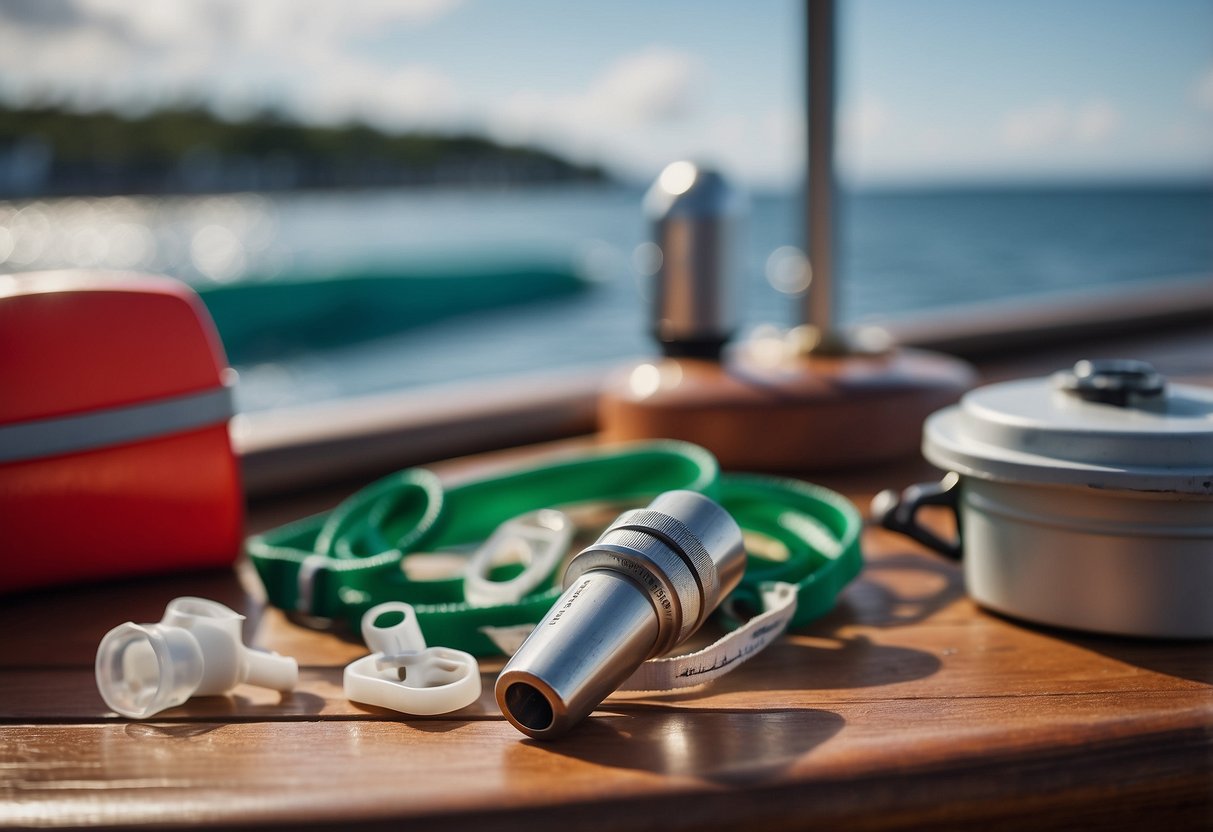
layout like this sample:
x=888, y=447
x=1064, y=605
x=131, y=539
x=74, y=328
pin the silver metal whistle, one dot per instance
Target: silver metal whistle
x=650, y=581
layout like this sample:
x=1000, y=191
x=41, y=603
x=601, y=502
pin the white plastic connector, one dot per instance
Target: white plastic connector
x=196, y=650
x=403, y=674
x=540, y=539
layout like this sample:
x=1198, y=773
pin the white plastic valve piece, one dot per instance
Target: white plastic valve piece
x=540, y=539
x=196, y=650
x=402, y=673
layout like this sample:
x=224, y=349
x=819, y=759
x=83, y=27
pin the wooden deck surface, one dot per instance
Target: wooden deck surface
x=907, y=706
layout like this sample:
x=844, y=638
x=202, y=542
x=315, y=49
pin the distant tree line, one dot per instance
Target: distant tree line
x=48, y=150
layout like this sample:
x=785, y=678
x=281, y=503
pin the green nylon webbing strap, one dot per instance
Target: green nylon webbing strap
x=351, y=558
x=818, y=529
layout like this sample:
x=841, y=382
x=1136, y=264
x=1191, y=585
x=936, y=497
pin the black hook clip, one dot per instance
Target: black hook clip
x=899, y=512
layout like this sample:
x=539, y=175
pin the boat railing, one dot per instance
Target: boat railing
x=296, y=448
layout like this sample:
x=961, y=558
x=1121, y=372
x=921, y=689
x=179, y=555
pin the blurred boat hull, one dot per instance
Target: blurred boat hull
x=263, y=319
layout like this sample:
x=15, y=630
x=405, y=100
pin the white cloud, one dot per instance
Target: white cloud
x=302, y=56
x=340, y=89
x=1094, y=121
x=651, y=87
x=1055, y=123
x=27, y=70
x=865, y=121
x=654, y=84
x=640, y=108
x=1037, y=126
x=262, y=21
x=239, y=55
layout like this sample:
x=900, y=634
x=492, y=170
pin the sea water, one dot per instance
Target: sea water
x=903, y=251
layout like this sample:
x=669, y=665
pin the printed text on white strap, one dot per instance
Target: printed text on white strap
x=702, y=666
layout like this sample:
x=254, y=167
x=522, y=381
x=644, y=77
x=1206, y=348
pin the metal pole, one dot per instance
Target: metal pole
x=819, y=190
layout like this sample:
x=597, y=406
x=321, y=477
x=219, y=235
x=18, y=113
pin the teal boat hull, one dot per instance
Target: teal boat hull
x=260, y=320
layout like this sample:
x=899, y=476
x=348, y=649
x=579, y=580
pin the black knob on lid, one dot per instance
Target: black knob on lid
x=1122, y=382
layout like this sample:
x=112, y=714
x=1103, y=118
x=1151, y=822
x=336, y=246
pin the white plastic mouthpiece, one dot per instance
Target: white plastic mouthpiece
x=195, y=650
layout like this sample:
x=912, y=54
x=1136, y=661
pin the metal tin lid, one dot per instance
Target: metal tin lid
x=1103, y=424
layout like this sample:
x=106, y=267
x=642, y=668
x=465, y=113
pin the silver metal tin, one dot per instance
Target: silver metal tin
x=1084, y=500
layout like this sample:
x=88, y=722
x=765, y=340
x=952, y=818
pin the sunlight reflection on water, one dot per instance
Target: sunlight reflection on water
x=904, y=251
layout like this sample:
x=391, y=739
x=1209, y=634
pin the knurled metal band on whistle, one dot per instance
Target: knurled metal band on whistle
x=672, y=531
x=341, y=563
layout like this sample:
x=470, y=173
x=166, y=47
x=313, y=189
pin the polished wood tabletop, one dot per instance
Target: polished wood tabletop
x=907, y=706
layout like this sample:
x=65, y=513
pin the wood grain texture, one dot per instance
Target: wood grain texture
x=903, y=630
x=908, y=706
x=841, y=761
x=791, y=413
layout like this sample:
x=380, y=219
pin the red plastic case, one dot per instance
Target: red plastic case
x=115, y=457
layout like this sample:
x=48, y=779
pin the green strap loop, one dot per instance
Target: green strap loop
x=353, y=555
x=819, y=530
x=397, y=512
x=351, y=558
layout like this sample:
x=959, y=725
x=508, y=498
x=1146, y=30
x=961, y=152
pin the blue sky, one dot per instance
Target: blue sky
x=1068, y=88
x=932, y=90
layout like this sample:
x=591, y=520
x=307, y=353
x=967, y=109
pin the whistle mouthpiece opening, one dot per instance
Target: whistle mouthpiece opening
x=530, y=708
x=646, y=585
x=594, y=637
